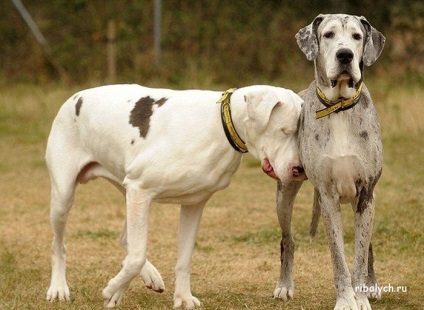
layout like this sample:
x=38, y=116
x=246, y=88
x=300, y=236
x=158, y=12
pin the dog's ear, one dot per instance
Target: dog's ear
x=307, y=38
x=259, y=107
x=374, y=43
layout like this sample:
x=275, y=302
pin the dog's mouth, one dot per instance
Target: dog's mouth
x=297, y=172
x=268, y=169
x=344, y=75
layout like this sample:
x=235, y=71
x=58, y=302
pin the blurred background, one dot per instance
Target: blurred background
x=202, y=43
x=212, y=45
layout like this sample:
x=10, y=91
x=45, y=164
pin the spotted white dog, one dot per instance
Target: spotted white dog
x=166, y=146
x=340, y=148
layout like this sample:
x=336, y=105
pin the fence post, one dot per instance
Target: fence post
x=157, y=30
x=111, y=52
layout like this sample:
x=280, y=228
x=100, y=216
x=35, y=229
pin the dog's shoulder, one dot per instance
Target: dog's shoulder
x=309, y=97
x=308, y=93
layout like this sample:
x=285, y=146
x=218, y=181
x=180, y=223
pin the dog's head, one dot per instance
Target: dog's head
x=341, y=45
x=271, y=130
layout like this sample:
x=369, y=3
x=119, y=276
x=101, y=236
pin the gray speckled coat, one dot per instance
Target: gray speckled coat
x=342, y=152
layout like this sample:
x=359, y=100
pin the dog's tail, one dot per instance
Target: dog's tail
x=316, y=211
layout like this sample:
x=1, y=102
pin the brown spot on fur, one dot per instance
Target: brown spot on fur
x=161, y=101
x=364, y=134
x=78, y=106
x=371, y=273
x=141, y=113
x=281, y=251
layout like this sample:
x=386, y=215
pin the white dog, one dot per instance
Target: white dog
x=165, y=146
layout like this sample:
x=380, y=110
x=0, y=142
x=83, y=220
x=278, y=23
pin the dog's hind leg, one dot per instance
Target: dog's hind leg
x=63, y=169
x=286, y=193
x=190, y=217
x=375, y=292
x=61, y=202
x=316, y=212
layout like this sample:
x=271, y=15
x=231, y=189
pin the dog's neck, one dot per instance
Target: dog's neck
x=232, y=117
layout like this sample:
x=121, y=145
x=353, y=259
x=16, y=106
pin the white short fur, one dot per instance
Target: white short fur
x=160, y=145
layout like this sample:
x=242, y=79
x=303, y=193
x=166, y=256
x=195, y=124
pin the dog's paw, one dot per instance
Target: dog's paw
x=374, y=295
x=187, y=302
x=363, y=303
x=284, y=291
x=152, y=278
x=59, y=290
x=112, y=297
x=347, y=302
x=374, y=290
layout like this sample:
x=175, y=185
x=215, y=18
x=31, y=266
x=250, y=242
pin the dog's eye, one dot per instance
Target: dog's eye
x=357, y=36
x=329, y=35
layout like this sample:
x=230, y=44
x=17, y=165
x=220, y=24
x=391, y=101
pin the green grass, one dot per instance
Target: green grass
x=236, y=261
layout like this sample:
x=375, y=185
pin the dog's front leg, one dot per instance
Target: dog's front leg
x=189, y=225
x=364, y=216
x=138, y=205
x=333, y=221
x=286, y=193
x=149, y=273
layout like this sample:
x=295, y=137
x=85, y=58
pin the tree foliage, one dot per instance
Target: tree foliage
x=227, y=41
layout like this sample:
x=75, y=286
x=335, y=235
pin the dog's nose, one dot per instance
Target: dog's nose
x=344, y=55
x=299, y=169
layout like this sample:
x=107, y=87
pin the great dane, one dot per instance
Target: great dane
x=340, y=149
x=166, y=146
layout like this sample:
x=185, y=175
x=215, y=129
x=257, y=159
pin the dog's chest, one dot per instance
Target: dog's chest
x=343, y=136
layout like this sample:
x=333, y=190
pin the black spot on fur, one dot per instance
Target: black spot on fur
x=281, y=251
x=161, y=101
x=78, y=106
x=370, y=262
x=366, y=193
x=141, y=113
x=317, y=137
x=364, y=134
x=132, y=141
